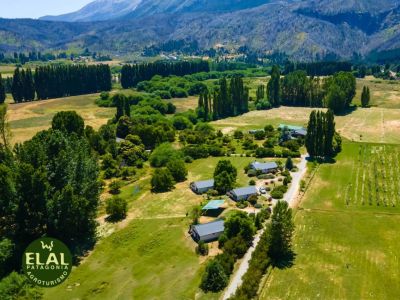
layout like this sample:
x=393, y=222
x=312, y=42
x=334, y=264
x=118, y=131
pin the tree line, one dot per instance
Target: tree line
x=227, y=100
x=2, y=90
x=322, y=68
x=131, y=75
x=298, y=89
x=59, y=81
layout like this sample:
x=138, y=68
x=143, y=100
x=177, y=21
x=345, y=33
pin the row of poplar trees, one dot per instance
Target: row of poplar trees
x=59, y=81
x=228, y=100
x=322, y=140
x=131, y=75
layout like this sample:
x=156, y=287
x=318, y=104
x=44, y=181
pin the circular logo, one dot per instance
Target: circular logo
x=47, y=262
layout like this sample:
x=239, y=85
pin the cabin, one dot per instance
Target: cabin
x=299, y=133
x=295, y=131
x=201, y=187
x=242, y=193
x=207, y=232
x=265, y=168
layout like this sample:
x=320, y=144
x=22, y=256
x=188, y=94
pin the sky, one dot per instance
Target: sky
x=38, y=8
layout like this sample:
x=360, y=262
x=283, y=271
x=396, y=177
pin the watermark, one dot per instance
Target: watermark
x=47, y=262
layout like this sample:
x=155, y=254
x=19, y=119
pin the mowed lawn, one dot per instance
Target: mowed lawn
x=343, y=251
x=26, y=119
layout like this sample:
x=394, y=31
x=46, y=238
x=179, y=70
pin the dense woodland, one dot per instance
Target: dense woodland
x=59, y=81
x=131, y=75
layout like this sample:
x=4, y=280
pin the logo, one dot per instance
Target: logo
x=47, y=262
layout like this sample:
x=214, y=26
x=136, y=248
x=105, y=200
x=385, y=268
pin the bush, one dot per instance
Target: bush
x=251, y=173
x=259, y=135
x=265, y=152
x=266, y=176
x=178, y=170
x=116, y=208
x=237, y=247
x=258, y=205
x=162, y=181
x=202, y=248
x=252, y=182
x=115, y=187
x=238, y=134
x=163, y=154
x=252, y=199
x=277, y=194
x=226, y=261
x=214, y=278
x=188, y=159
x=242, y=204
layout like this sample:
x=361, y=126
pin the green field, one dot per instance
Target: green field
x=344, y=250
x=149, y=255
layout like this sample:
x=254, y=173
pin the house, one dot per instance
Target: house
x=201, y=187
x=119, y=140
x=268, y=167
x=295, y=131
x=299, y=133
x=207, y=232
x=243, y=193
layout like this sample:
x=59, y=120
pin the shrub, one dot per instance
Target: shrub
x=252, y=199
x=188, y=159
x=163, y=154
x=277, y=194
x=251, y=173
x=242, y=204
x=115, y=187
x=237, y=247
x=214, y=278
x=258, y=205
x=266, y=176
x=162, y=181
x=238, y=134
x=252, y=182
x=227, y=262
x=178, y=170
x=116, y=208
x=202, y=248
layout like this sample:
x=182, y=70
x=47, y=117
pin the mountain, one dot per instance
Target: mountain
x=302, y=29
x=101, y=10
x=98, y=10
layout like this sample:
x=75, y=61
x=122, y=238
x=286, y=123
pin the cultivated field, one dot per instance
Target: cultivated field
x=346, y=246
x=26, y=119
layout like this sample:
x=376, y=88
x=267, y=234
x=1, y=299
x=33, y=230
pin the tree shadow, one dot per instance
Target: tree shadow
x=319, y=160
x=114, y=219
x=286, y=261
x=347, y=111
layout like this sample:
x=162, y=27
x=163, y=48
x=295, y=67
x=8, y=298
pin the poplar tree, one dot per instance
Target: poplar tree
x=274, y=90
x=365, y=97
x=2, y=91
x=17, y=88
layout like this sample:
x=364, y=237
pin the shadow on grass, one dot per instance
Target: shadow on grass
x=114, y=219
x=285, y=262
x=347, y=111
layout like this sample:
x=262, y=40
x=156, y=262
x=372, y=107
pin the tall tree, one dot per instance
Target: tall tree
x=2, y=91
x=365, y=97
x=273, y=89
x=29, y=86
x=281, y=232
x=17, y=88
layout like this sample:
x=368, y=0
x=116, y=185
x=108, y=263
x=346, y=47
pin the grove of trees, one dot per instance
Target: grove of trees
x=55, y=81
x=131, y=75
x=321, y=140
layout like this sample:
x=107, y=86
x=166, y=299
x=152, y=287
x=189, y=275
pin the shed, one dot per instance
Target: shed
x=243, y=193
x=207, y=232
x=299, y=132
x=201, y=187
x=213, y=204
x=290, y=127
x=265, y=168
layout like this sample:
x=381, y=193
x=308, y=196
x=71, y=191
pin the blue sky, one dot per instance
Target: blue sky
x=38, y=8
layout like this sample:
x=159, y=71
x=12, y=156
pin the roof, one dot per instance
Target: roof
x=119, y=140
x=214, y=204
x=264, y=166
x=204, y=184
x=290, y=127
x=301, y=131
x=209, y=228
x=250, y=190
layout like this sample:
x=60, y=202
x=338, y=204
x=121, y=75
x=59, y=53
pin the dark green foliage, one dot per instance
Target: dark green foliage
x=131, y=75
x=224, y=182
x=239, y=224
x=341, y=89
x=116, y=208
x=323, y=68
x=163, y=154
x=17, y=88
x=162, y=181
x=132, y=151
x=55, y=81
x=181, y=123
x=300, y=90
x=225, y=165
x=2, y=91
x=365, y=97
x=227, y=101
x=281, y=231
x=178, y=169
x=289, y=164
x=115, y=187
x=68, y=122
x=274, y=89
x=321, y=139
x=214, y=278
x=16, y=286
x=202, y=248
